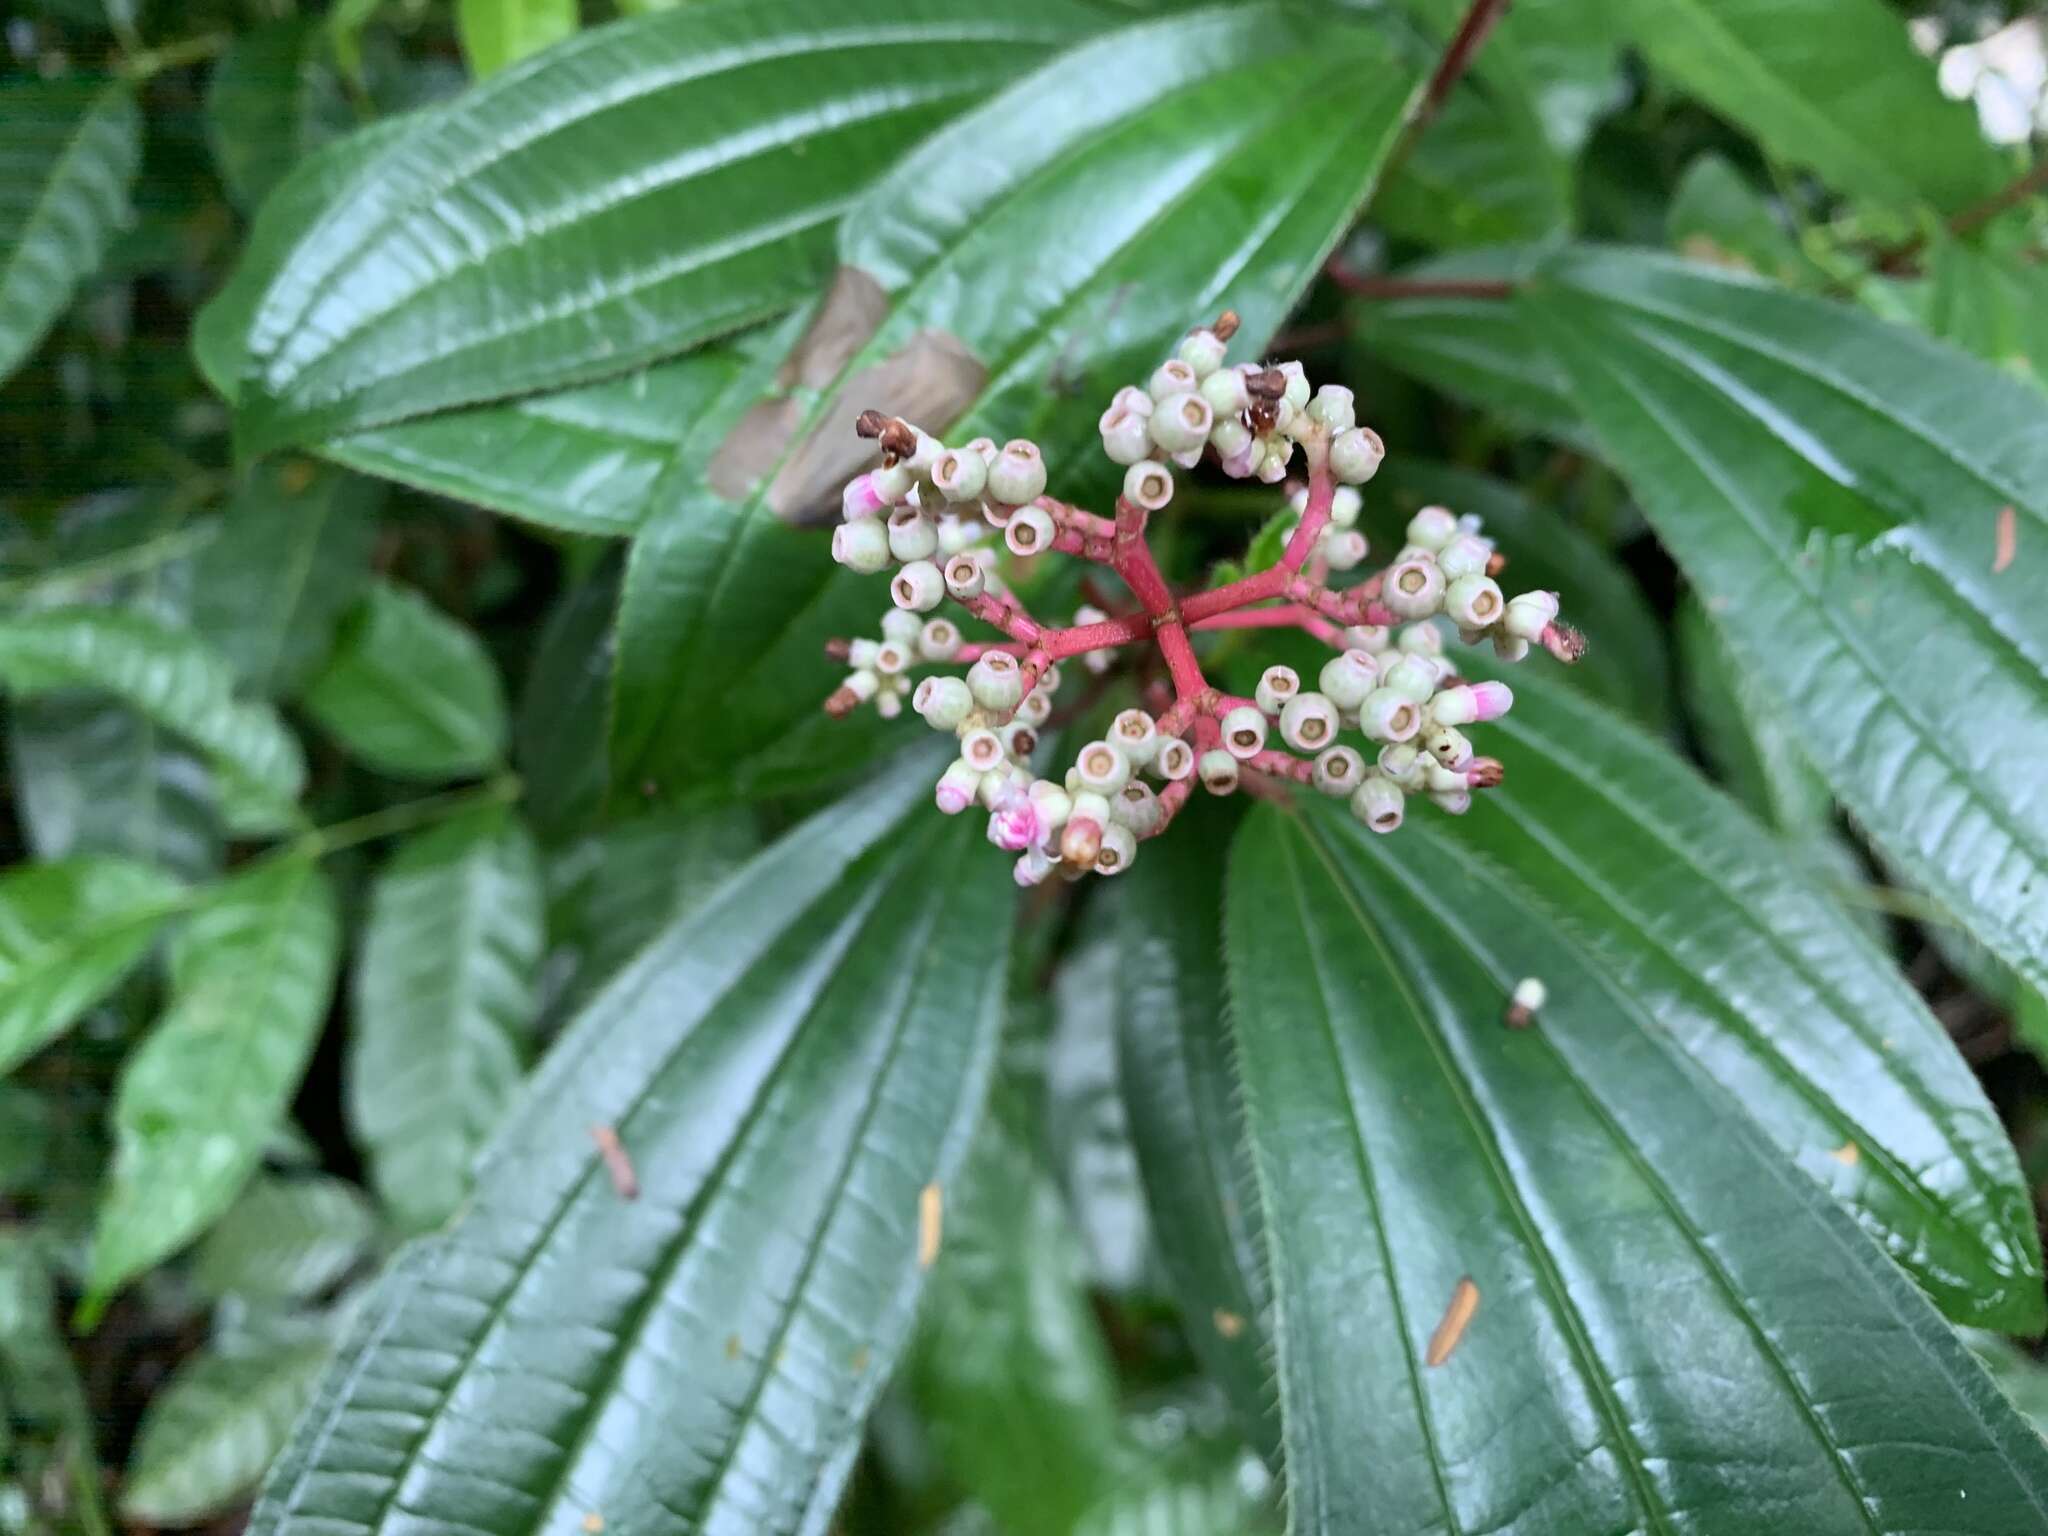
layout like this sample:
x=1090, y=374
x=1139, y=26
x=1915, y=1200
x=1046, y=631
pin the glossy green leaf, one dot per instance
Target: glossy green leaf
x=409, y=691
x=251, y=974
x=443, y=1006
x=1834, y=488
x=286, y=1238
x=1627, y=662
x=1832, y=85
x=68, y=932
x=1200, y=1487
x=68, y=153
x=495, y=33
x=1473, y=347
x=92, y=776
x=580, y=460
x=291, y=555
x=274, y=98
x=787, y=1069
x=1086, y=1133
x=1199, y=160
x=1647, y=1350
x=620, y=887
x=1759, y=975
x=213, y=1428
x=1010, y=1373
x=1756, y=757
x=688, y=168
x=1477, y=176
x=169, y=675
x=1186, y=1122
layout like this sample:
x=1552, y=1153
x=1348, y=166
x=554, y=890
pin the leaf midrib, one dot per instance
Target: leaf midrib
x=566, y=1206
x=1652, y=1180
x=1935, y=742
x=1628, y=1452
x=1578, y=766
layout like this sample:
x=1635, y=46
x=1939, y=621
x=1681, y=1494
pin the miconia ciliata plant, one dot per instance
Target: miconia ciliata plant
x=1513, y=535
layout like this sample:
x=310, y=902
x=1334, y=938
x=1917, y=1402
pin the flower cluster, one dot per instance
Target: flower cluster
x=929, y=511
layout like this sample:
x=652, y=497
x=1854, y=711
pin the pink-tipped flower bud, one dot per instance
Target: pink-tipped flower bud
x=957, y=787
x=1015, y=823
x=1080, y=841
x=861, y=498
x=1032, y=866
x=1529, y=614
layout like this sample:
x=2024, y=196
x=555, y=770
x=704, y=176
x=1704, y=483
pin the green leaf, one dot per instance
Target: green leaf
x=70, y=148
x=1474, y=348
x=1840, y=516
x=274, y=98
x=409, y=691
x=1201, y=1487
x=286, y=1239
x=291, y=555
x=1673, y=1327
x=1716, y=216
x=68, y=932
x=1626, y=663
x=787, y=1069
x=1010, y=1373
x=747, y=125
x=559, y=730
x=43, y=1398
x=1674, y=892
x=1086, y=1134
x=1480, y=174
x=1186, y=1121
x=1180, y=164
x=170, y=676
x=1832, y=85
x=28, y=1129
x=251, y=976
x=622, y=886
x=211, y=1430
x=495, y=33
x=444, y=1006
x=580, y=460
x=1994, y=307
x=1757, y=758
x=95, y=776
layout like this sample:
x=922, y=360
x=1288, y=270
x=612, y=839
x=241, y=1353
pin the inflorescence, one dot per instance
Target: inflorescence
x=929, y=511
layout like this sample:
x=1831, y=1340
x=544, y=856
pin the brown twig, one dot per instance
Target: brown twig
x=1465, y=43
x=1973, y=217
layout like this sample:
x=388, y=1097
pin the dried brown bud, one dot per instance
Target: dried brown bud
x=838, y=649
x=1226, y=325
x=843, y=702
x=1267, y=384
x=1484, y=773
x=870, y=423
x=1496, y=563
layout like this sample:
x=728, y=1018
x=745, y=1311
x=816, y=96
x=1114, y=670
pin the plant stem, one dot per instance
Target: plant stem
x=322, y=841
x=1418, y=288
x=192, y=50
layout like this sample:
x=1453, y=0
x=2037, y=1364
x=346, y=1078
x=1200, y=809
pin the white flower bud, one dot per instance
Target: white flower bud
x=1244, y=732
x=918, y=587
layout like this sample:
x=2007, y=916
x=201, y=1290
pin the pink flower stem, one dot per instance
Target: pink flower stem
x=1281, y=765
